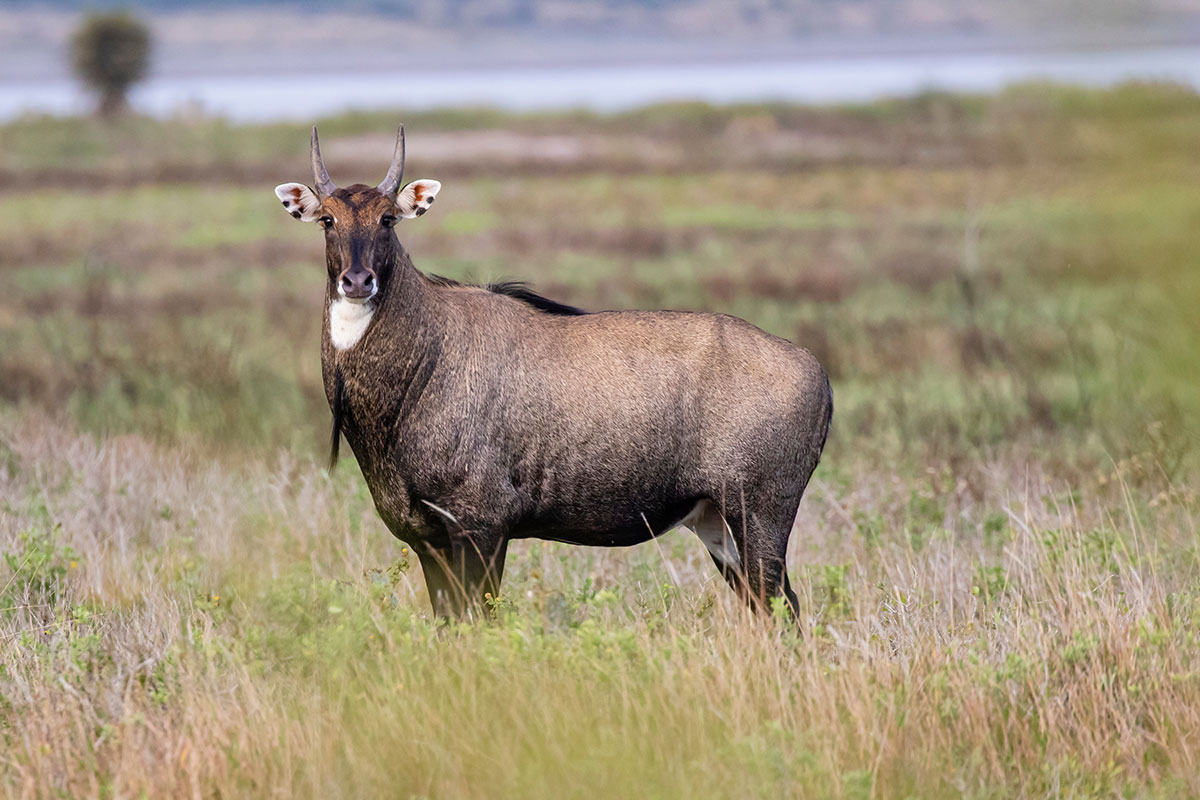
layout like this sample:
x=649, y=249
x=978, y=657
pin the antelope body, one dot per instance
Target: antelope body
x=484, y=414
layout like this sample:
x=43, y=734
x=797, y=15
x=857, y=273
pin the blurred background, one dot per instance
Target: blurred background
x=982, y=215
x=262, y=60
x=969, y=204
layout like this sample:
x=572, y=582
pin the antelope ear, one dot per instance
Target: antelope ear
x=416, y=198
x=299, y=201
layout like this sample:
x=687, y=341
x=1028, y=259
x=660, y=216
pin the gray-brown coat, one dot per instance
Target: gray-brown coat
x=484, y=414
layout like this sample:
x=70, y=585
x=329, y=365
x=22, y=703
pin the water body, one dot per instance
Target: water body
x=610, y=87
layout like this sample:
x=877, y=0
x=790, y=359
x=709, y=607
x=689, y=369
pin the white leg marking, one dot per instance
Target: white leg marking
x=348, y=321
x=710, y=526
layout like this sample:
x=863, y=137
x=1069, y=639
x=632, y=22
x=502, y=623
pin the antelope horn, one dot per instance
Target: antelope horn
x=325, y=186
x=391, y=181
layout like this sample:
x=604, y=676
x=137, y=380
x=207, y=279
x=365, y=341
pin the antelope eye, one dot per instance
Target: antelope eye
x=387, y=221
x=326, y=221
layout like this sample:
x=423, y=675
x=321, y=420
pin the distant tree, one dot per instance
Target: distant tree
x=110, y=52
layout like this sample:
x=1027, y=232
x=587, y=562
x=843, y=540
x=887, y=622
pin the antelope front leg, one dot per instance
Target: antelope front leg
x=460, y=575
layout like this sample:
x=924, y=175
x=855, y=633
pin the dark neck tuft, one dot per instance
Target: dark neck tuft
x=338, y=406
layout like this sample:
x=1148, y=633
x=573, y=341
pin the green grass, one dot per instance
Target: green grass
x=997, y=559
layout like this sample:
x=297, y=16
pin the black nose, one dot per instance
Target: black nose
x=358, y=284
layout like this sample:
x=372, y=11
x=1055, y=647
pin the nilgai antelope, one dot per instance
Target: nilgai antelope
x=482, y=414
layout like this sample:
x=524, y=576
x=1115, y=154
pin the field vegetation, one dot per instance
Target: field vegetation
x=997, y=559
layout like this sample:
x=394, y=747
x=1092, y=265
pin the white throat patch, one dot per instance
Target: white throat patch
x=348, y=321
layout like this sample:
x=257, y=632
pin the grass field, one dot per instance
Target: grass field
x=997, y=559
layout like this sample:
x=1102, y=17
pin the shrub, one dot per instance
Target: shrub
x=111, y=52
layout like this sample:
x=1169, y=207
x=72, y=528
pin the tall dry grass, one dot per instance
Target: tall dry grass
x=249, y=628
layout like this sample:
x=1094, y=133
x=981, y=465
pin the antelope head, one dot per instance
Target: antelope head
x=361, y=247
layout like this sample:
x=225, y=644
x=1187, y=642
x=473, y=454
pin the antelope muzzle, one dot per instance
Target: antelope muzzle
x=358, y=284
